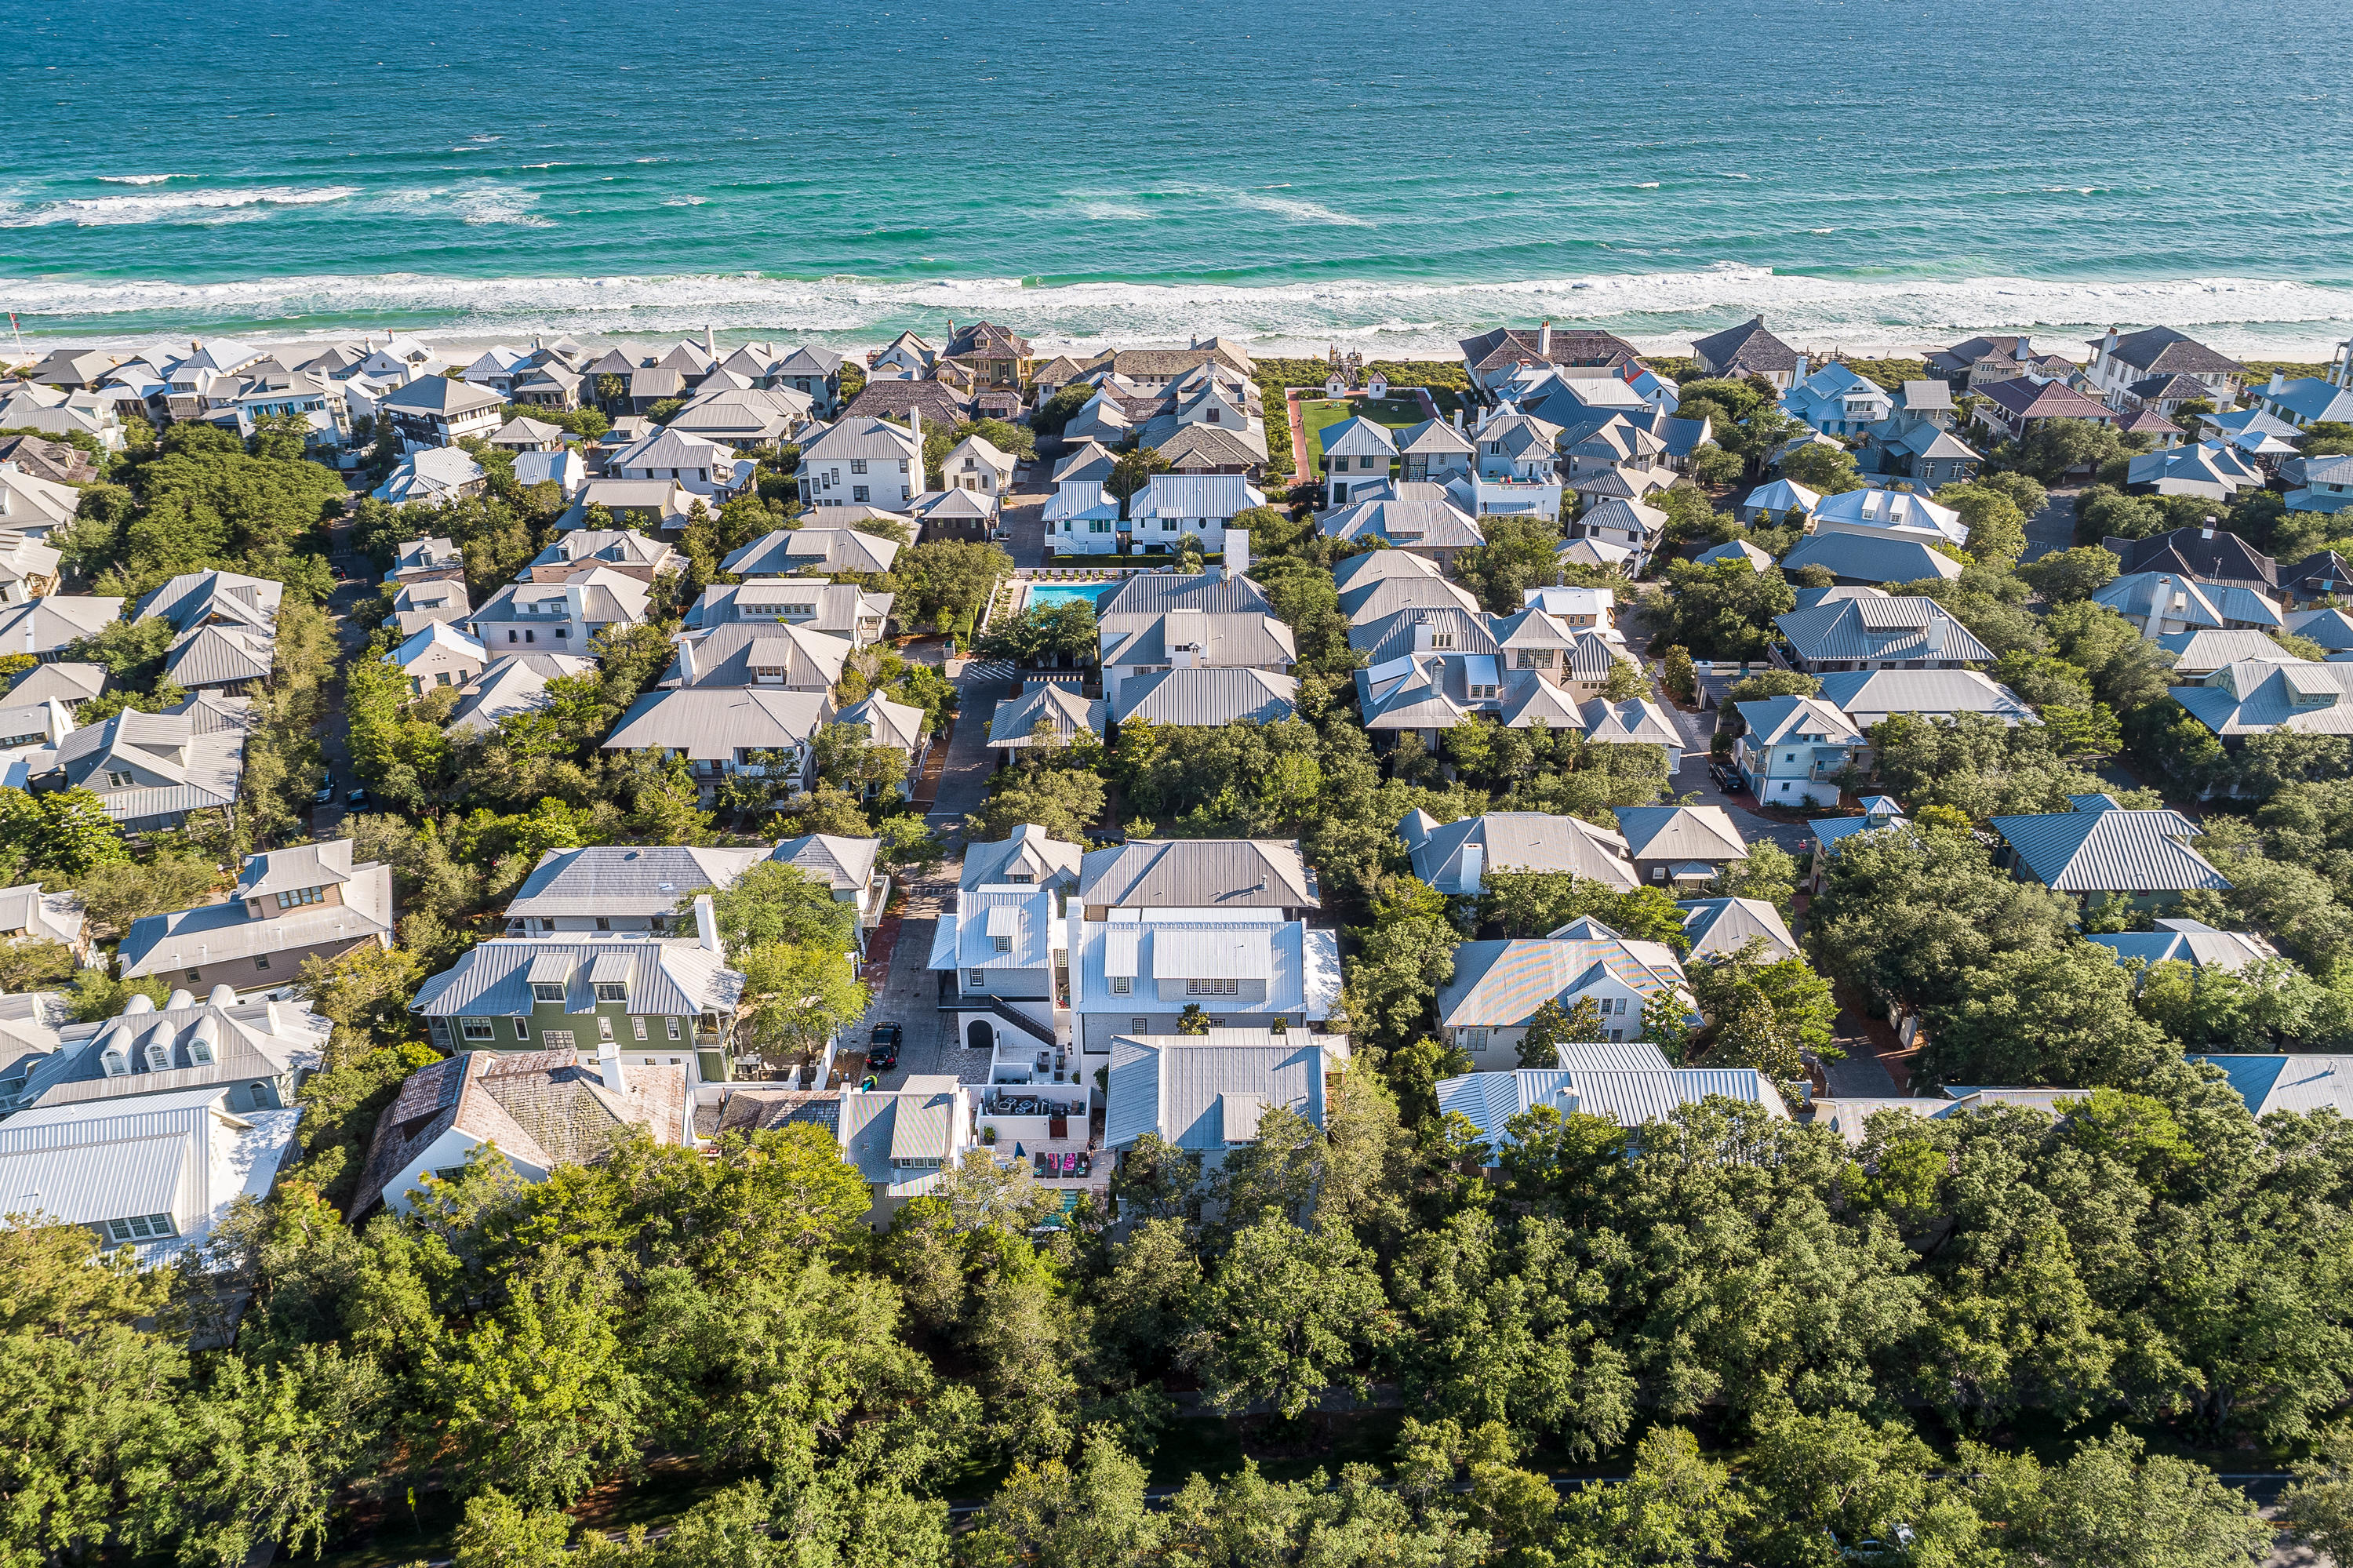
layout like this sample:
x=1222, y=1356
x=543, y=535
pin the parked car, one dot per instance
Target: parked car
x=326, y=794
x=883, y=1047
x=358, y=799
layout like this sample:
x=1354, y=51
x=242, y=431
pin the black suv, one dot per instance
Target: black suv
x=883, y=1049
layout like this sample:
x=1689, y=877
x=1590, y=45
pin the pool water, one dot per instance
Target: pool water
x=1042, y=594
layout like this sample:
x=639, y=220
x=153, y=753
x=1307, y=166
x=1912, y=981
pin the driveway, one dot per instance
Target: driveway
x=1022, y=515
x=351, y=636
x=909, y=995
x=1692, y=779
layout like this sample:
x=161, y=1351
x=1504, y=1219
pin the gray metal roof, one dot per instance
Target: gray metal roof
x=1937, y=692
x=668, y=978
x=1882, y=629
x=1029, y=854
x=69, y=683
x=220, y=656
x=1177, y=1084
x=1870, y=560
x=2256, y=698
x=2110, y=850
x=1680, y=832
x=1720, y=926
x=713, y=723
x=614, y=879
x=1629, y=1098
x=1517, y=840
x=1256, y=641
x=1198, y=874
x=734, y=654
x=1063, y=707
x=1156, y=593
x=1501, y=984
x=788, y=550
x=1203, y=697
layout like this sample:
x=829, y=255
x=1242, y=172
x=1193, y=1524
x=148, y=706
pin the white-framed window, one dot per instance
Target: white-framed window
x=1121, y=985
x=637, y=1027
x=1138, y=1026
x=1001, y=944
x=546, y=991
x=1209, y=987
x=476, y=1029
x=858, y=465
x=673, y=1028
x=142, y=1227
x=118, y=779
x=522, y=1030
x=1474, y=1039
x=611, y=990
x=976, y=977
x=299, y=896
x=603, y=1027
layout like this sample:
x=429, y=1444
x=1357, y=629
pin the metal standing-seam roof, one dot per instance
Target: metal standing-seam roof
x=1501, y=984
x=1207, y=696
x=2104, y=848
x=493, y=978
x=2293, y=1083
x=2189, y=941
x=614, y=879
x=1859, y=694
x=1721, y=926
x=1182, y=1085
x=1517, y=840
x=788, y=550
x=1027, y=918
x=1868, y=559
x=1157, y=593
x=1881, y=629
x=711, y=723
x=1060, y=706
x=2254, y=699
x=1629, y=1098
x=1198, y=874
x=1680, y=832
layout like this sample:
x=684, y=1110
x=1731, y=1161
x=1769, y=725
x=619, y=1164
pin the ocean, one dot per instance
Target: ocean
x=1390, y=177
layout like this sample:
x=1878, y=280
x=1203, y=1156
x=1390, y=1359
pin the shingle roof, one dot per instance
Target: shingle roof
x=1748, y=346
x=2219, y=557
x=2163, y=349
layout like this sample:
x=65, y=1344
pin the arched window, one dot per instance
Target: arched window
x=111, y=1063
x=159, y=1058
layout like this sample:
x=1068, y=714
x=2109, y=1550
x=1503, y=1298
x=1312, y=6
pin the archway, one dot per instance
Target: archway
x=979, y=1035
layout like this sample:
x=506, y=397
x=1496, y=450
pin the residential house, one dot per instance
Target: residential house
x=745, y=418
x=70, y=684
x=954, y=514
x=441, y=411
x=289, y=906
x=2160, y=603
x=1492, y=355
x=621, y=552
x=1866, y=697
x=2197, y=654
x=1780, y=504
x=1145, y=874
x=849, y=868
x=512, y=685
x=564, y=618
x=580, y=894
x=1749, y=350
x=226, y=626
x=1356, y=446
x=2310, y=400
x=1918, y=449
x=1837, y=402
x=1720, y=927
x=26, y=731
x=150, y=770
x=1679, y=846
x=522, y=434
x=147, y=1128
x=790, y=550
x=2213, y=469
x=1629, y=525
x=1207, y=1093
x=53, y=462
x=29, y=915
x=417, y=606
x=816, y=372
x=901, y=1140
x=1871, y=557
x=2327, y=485
x=1132, y=647
x=1577, y=609
x=2124, y=365
x=974, y=465
x=702, y=468
x=2302, y=1084
x=1436, y=528
x=1434, y=452
x=2100, y=850
x=1492, y=1101
x=996, y=356
x=1794, y=749
x=1515, y=470
x=900, y=727
x=1878, y=633
x=1171, y=505
x=1874, y=514
x=760, y=653
x=1740, y=550
x=1499, y=986
x=1204, y=696
x=46, y=626
x=565, y=470
x=2008, y=409
x=2249, y=698
x=660, y=1003
x=1061, y=708
x=861, y=461
x=1007, y=947
x=28, y=568
x=838, y=609
x=1082, y=516
x=1221, y=590
x=1455, y=857
x=721, y=731
x=2331, y=628
x=1979, y=361
x=1029, y=857
x=2175, y=940
x=944, y=401
x=438, y=654
x=433, y=560
x=2208, y=554
x=1240, y=968
x=1380, y=583
x=81, y=369
x=538, y=1109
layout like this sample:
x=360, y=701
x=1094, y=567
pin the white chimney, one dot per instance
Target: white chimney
x=1421, y=636
x=1458, y=416
x=710, y=344
x=1238, y=557
x=2279, y=381
x=1474, y=865
x=608, y=1066
x=706, y=923
x=2160, y=600
x=916, y=423
x=1543, y=342
x=1933, y=641
x=686, y=671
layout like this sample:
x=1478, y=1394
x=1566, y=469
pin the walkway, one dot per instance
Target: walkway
x=351, y=636
x=2054, y=527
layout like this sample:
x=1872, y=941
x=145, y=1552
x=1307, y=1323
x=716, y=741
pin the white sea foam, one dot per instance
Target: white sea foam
x=138, y=179
x=1297, y=211
x=195, y=206
x=1654, y=309
x=478, y=203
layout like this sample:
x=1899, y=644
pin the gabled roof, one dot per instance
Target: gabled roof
x=1403, y=524
x=1198, y=874
x=886, y=723
x=1218, y=640
x=711, y=723
x=736, y=653
x=788, y=550
x=1775, y=721
x=1501, y=346
x=2100, y=847
x=1029, y=853
x=1873, y=560
x=2215, y=556
x=1746, y=347
x=2255, y=699
x=1735, y=550
x=511, y=685
x=2026, y=398
x=1501, y=984
x=843, y=864
x=1933, y=692
x=2179, y=940
x=2301, y=1084
x=1154, y=593
x=1514, y=841
x=443, y=395
x=1637, y=720
x=616, y=879
x=1680, y=832
x=1492, y=1101
x=1719, y=927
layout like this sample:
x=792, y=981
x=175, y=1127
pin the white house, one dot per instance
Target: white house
x=864, y=461
x=1794, y=750
x=1499, y=986
x=1171, y=505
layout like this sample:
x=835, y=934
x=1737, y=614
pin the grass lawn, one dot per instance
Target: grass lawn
x=1317, y=413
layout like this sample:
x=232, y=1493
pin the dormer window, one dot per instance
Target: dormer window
x=116, y=778
x=110, y=1063
x=200, y=1053
x=546, y=991
x=159, y=1058
x=612, y=990
x=294, y=896
x=1001, y=944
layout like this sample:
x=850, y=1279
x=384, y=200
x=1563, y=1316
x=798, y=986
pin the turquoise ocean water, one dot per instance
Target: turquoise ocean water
x=1393, y=177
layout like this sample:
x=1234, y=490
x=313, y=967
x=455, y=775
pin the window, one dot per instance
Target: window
x=195, y=974
x=858, y=465
x=1209, y=987
x=475, y=1028
x=1121, y=985
x=860, y=493
x=1168, y=524
x=297, y=895
x=637, y=1027
x=440, y=677
x=612, y=990
x=976, y=977
x=546, y=991
x=556, y=1039
x=673, y=1028
x=1535, y=659
x=603, y=924
x=603, y=1027
x=1000, y=943
x=1138, y=1026
x=522, y=1030
x=261, y=961
x=1442, y=640
x=563, y=631
x=116, y=779
x=1475, y=1040
x=142, y=1227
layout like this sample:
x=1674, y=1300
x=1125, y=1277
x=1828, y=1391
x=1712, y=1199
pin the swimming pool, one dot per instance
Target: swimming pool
x=1042, y=594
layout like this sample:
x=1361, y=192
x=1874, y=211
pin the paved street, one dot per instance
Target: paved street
x=351, y=635
x=2054, y=527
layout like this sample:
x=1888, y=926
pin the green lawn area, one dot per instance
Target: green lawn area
x=1315, y=413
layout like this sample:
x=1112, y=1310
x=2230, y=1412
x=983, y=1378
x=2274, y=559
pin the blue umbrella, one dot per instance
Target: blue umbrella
x=1017, y=1149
